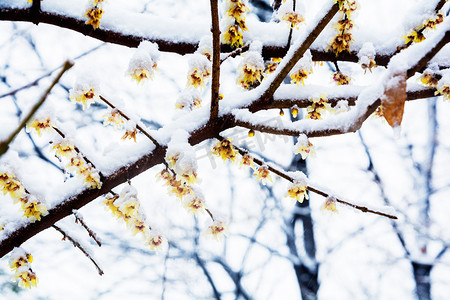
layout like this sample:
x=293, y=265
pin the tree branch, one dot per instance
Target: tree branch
x=78, y=245
x=4, y=145
x=215, y=60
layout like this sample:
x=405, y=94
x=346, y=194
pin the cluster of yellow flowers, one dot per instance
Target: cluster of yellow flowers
x=94, y=13
x=126, y=207
x=251, y=70
x=143, y=63
x=75, y=163
x=317, y=108
x=304, y=146
x=302, y=69
x=417, y=36
x=40, y=125
x=234, y=22
x=287, y=13
x=19, y=262
x=32, y=208
x=343, y=39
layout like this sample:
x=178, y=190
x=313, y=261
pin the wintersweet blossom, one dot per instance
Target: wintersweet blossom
x=414, y=37
x=247, y=160
x=19, y=262
x=293, y=18
x=251, y=70
x=444, y=90
x=195, y=205
x=225, y=150
x=143, y=63
x=218, y=230
x=428, y=79
x=188, y=100
x=262, y=173
x=85, y=92
x=330, y=205
x=155, y=241
x=114, y=118
x=9, y=184
x=91, y=177
x=64, y=148
x=34, y=210
x=199, y=71
x=341, y=79
x=317, y=108
x=298, y=191
x=233, y=37
x=304, y=146
x=130, y=131
x=40, y=125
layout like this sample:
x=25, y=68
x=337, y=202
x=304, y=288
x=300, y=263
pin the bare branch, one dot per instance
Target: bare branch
x=79, y=219
x=4, y=145
x=78, y=245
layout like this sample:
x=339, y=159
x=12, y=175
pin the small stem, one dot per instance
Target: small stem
x=4, y=145
x=79, y=219
x=216, y=60
x=127, y=118
x=78, y=245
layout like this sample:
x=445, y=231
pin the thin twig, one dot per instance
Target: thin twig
x=4, y=145
x=283, y=175
x=36, y=81
x=128, y=118
x=236, y=52
x=79, y=219
x=215, y=60
x=78, y=245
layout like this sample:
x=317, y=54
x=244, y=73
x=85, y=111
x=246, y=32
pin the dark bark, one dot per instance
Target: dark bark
x=422, y=280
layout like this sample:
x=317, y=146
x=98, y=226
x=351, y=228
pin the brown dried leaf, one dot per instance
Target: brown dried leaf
x=393, y=100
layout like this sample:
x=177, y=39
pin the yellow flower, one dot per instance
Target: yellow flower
x=40, y=125
x=188, y=177
x=444, y=90
x=196, y=205
x=109, y=202
x=94, y=15
x=250, y=75
x=340, y=78
x=130, y=133
x=20, y=261
x=178, y=189
x=10, y=184
x=300, y=75
x=428, y=79
x=346, y=6
x=247, y=160
x=379, y=112
x=341, y=42
x=155, y=241
x=225, y=150
x=64, y=148
x=91, y=177
x=317, y=108
x=198, y=78
x=34, y=210
x=27, y=278
x=344, y=24
x=414, y=36
x=233, y=37
x=218, y=230
x=304, y=146
x=298, y=191
x=293, y=18
x=368, y=65
x=263, y=174
x=138, y=226
x=83, y=95
x=330, y=205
